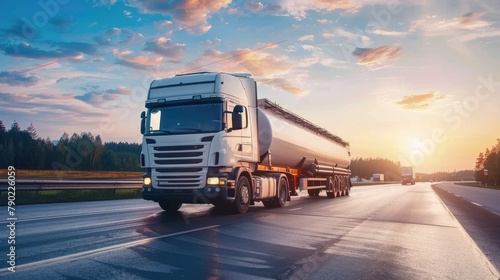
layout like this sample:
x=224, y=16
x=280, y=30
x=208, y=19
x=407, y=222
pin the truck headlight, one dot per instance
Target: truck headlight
x=146, y=181
x=216, y=181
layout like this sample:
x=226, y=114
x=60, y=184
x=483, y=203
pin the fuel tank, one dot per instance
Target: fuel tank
x=288, y=138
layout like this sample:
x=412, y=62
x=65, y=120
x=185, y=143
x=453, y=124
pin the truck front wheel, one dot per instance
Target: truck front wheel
x=170, y=206
x=242, y=196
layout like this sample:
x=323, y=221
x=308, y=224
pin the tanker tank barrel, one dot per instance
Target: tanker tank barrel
x=290, y=138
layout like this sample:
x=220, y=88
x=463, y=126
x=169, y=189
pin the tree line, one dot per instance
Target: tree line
x=366, y=167
x=490, y=161
x=24, y=149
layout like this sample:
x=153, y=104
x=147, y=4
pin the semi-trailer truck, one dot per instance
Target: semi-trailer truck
x=208, y=139
x=408, y=175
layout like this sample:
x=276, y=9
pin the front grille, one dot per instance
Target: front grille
x=172, y=170
x=180, y=166
x=178, y=148
x=178, y=161
x=178, y=155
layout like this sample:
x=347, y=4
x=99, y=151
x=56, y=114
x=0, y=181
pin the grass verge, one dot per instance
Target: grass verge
x=35, y=197
x=71, y=174
x=477, y=185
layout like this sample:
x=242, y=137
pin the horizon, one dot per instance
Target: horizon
x=415, y=83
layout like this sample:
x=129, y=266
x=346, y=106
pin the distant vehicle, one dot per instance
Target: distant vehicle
x=378, y=177
x=408, y=175
x=208, y=139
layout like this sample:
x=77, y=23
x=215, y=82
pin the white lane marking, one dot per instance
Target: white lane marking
x=457, y=195
x=84, y=214
x=81, y=255
x=476, y=204
x=295, y=209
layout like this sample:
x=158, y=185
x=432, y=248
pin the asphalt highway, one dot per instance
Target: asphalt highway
x=378, y=232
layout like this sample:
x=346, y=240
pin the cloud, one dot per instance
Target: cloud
x=164, y=24
x=233, y=11
x=327, y=35
x=128, y=13
x=139, y=62
x=435, y=27
x=103, y=98
x=272, y=8
x=268, y=69
x=56, y=106
x=357, y=39
x=283, y=84
x=186, y=13
x=466, y=28
x=376, y=56
x=389, y=33
x=28, y=51
x=21, y=30
x=213, y=42
x=478, y=35
x=15, y=79
x=254, y=6
x=319, y=57
x=117, y=36
x=324, y=21
x=97, y=3
x=299, y=8
x=259, y=63
x=166, y=48
x=80, y=47
x=471, y=20
x=61, y=23
x=306, y=38
x=420, y=101
x=7, y=97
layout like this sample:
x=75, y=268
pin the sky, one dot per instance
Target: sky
x=413, y=81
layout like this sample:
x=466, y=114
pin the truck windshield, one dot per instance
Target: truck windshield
x=180, y=119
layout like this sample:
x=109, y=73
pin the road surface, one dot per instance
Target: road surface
x=378, y=232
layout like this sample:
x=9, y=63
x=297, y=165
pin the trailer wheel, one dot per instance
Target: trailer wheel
x=242, y=195
x=330, y=193
x=170, y=206
x=338, y=186
x=342, y=186
x=348, y=186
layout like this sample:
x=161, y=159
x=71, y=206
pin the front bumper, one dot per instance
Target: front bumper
x=206, y=195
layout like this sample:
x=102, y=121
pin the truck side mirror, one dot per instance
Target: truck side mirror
x=143, y=122
x=237, y=117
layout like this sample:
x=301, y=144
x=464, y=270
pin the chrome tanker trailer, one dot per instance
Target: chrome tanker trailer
x=207, y=139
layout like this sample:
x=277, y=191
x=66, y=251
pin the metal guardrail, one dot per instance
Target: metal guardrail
x=56, y=184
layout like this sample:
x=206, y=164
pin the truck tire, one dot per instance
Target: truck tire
x=348, y=186
x=170, y=206
x=330, y=192
x=242, y=195
x=282, y=193
x=280, y=200
x=345, y=186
